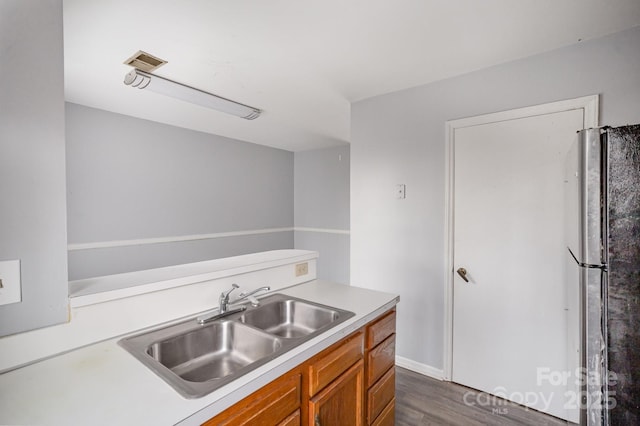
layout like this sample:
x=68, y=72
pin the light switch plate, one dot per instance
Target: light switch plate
x=10, y=290
x=401, y=191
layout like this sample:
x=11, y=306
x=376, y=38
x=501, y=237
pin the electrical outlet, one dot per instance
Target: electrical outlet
x=302, y=269
x=10, y=291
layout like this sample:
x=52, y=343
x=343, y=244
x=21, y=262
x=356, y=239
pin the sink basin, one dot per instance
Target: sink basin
x=214, y=351
x=198, y=358
x=290, y=318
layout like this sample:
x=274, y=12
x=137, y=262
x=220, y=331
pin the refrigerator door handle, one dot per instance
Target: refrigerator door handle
x=602, y=266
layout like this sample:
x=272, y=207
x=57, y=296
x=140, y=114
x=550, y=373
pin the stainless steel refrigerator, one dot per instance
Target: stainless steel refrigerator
x=603, y=274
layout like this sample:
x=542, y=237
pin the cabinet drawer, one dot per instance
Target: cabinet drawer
x=387, y=417
x=381, y=329
x=292, y=420
x=381, y=394
x=380, y=359
x=267, y=406
x=324, y=370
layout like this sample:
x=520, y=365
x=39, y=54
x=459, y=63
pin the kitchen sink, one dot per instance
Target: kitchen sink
x=198, y=358
x=214, y=351
x=290, y=318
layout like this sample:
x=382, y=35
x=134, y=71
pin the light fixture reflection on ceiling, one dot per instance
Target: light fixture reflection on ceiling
x=164, y=86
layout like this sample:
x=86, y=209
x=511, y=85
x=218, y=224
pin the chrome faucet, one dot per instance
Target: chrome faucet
x=224, y=297
x=223, y=310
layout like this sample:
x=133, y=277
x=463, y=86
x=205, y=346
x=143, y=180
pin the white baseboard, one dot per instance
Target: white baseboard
x=424, y=369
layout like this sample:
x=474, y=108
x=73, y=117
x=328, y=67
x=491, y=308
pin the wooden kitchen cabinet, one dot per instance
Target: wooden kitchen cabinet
x=350, y=383
x=380, y=369
x=340, y=403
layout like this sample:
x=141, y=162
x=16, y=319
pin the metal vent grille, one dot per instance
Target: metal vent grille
x=144, y=61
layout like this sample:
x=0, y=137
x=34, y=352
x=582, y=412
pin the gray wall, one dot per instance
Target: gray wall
x=321, y=194
x=32, y=161
x=398, y=245
x=129, y=178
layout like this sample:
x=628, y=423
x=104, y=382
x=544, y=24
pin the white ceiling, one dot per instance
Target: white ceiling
x=303, y=62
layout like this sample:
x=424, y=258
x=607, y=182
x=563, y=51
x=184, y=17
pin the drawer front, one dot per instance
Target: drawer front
x=381, y=394
x=380, y=359
x=381, y=329
x=292, y=420
x=267, y=406
x=326, y=369
x=387, y=417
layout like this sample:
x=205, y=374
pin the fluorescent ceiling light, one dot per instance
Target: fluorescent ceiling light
x=143, y=80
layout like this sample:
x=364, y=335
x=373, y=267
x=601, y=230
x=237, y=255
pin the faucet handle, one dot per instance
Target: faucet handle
x=225, y=294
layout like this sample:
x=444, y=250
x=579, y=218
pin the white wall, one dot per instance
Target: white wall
x=321, y=204
x=398, y=245
x=32, y=161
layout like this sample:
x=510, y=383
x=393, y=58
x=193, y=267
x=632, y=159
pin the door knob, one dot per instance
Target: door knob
x=463, y=274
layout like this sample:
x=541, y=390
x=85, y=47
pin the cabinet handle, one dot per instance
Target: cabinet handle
x=317, y=420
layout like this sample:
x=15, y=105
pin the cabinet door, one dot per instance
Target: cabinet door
x=340, y=403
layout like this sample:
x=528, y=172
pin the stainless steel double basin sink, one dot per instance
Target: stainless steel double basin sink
x=197, y=359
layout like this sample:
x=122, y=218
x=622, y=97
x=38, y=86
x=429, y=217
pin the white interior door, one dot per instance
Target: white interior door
x=509, y=320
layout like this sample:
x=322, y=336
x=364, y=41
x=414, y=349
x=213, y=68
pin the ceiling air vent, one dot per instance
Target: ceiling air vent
x=144, y=61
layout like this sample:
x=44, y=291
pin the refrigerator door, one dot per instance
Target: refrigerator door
x=584, y=225
x=623, y=324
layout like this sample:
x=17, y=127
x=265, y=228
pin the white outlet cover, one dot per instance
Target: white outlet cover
x=10, y=276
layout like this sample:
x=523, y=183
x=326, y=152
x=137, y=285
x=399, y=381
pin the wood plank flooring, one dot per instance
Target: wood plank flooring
x=421, y=400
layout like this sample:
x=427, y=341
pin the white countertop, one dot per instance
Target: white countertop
x=104, y=384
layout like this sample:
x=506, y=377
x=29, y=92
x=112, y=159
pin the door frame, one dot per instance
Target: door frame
x=590, y=107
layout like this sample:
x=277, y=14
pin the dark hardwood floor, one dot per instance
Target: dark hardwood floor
x=421, y=400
